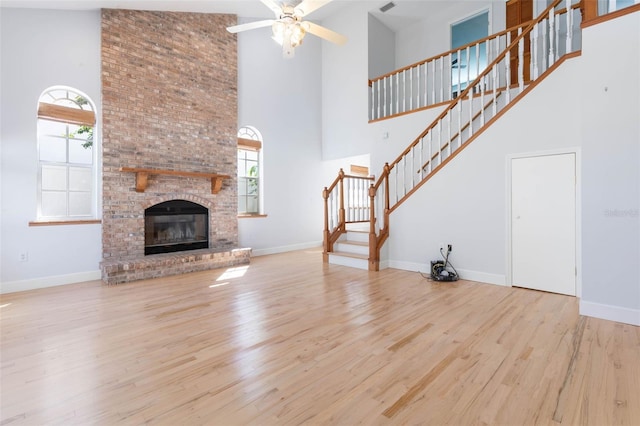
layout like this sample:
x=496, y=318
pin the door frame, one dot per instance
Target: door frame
x=578, y=219
x=483, y=9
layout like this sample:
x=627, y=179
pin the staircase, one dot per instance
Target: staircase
x=351, y=249
x=366, y=203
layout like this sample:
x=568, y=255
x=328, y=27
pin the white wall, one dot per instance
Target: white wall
x=344, y=85
x=381, y=48
x=282, y=99
x=42, y=48
x=611, y=169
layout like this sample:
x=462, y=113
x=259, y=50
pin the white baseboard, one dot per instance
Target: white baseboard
x=284, y=249
x=464, y=274
x=610, y=312
x=52, y=281
x=483, y=277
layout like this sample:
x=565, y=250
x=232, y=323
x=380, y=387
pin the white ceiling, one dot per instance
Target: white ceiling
x=404, y=13
x=243, y=8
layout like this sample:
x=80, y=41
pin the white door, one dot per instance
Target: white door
x=543, y=223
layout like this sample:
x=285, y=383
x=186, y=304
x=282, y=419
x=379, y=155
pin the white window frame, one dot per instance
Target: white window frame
x=84, y=113
x=249, y=139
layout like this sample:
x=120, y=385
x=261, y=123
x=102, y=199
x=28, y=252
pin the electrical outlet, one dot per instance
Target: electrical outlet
x=24, y=257
x=449, y=247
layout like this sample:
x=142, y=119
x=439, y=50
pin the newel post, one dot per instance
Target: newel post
x=325, y=233
x=589, y=10
x=341, y=212
x=373, y=238
x=387, y=172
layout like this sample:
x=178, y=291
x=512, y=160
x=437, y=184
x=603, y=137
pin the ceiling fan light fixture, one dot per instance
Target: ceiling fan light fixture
x=288, y=34
x=296, y=34
x=278, y=30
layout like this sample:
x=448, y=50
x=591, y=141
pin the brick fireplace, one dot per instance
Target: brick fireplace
x=169, y=102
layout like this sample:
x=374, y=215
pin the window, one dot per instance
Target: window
x=249, y=171
x=66, y=156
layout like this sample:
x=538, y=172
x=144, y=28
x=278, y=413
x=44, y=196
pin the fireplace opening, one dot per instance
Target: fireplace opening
x=176, y=225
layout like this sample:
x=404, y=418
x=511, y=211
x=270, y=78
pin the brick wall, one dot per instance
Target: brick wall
x=169, y=101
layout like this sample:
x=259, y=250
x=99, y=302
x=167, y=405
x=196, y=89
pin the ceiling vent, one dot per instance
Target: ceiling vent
x=387, y=6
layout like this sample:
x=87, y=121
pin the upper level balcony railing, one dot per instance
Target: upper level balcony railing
x=439, y=79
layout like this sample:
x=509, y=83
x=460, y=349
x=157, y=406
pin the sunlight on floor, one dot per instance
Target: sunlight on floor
x=5, y=305
x=231, y=273
x=219, y=285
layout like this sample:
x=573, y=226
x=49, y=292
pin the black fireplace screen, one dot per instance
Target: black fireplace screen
x=176, y=225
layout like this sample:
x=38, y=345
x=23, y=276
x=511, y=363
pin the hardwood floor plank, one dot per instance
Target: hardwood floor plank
x=290, y=340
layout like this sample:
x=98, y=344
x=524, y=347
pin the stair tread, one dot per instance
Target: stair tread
x=347, y=254
x=354, y=243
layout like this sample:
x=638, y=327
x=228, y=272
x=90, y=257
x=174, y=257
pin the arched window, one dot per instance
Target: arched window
x=249, y=171
x=66, y=155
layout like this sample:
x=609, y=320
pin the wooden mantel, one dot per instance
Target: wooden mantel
x=143, y=174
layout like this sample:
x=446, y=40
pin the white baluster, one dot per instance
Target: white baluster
x=441, y=79
x=482, y=101
x=507, y=65
x=469, y=65
x=494, y=74
x=449, y=133
x=433, y=82
x=569, y=28
x=458, y=54
x=450, y=74
x=411, y=167
x=498, y=51
x=418, y=86
x=410, y=89
x=470, y=114
x=404, y=90
x=384, y=107
x=360, y=210
x=372, y=94
x=520, y=61
x=378, y=106
x=421, y=161
x=398, y=93
x=426, y=80
x=543, y=49
x=439, y=141
x=534, y=56
x=397, y=180
x=460, y=119
x=557, y=38
x=552, y=25
x=430, y=134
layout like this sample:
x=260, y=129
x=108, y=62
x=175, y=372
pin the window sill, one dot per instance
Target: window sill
x=245, y=216
x=65, y=222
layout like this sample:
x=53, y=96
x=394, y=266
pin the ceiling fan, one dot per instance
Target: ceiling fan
x=288, y=28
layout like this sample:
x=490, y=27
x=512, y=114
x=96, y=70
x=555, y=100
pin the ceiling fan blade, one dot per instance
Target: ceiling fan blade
x=308, y=6
x=324, y=33
x=275, y=7
x=250, y=26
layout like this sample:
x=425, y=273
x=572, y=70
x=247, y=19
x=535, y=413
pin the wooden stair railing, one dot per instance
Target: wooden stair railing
x=461, y=122
x=346, y=201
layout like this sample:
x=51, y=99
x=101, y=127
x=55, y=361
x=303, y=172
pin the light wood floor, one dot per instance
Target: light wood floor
x=289, y=340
